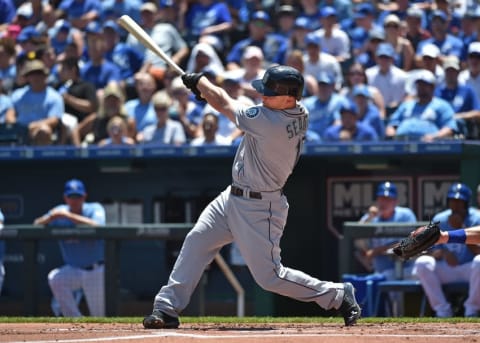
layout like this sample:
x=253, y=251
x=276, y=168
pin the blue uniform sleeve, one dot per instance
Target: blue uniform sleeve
x=445, y=116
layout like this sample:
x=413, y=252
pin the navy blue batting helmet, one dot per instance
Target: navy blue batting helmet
x=280, y=80
x=387, y=189
x=459, y=191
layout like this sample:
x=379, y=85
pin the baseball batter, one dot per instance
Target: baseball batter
x=253, y=210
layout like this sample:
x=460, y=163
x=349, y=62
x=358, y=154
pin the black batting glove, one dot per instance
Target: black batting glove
x=190, y=80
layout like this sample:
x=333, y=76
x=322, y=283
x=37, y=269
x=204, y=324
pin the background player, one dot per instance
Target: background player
x=83, y=267
x=253, y=210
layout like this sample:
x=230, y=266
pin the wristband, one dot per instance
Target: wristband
x=457, y=236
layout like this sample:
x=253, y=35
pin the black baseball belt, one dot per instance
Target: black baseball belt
x=237, y=191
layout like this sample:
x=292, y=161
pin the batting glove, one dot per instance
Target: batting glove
x=190, y=80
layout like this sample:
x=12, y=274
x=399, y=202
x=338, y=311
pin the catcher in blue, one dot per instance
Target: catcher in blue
x=252, y=211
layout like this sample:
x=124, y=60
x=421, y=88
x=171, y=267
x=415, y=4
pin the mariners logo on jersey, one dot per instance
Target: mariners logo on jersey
x=252, y=112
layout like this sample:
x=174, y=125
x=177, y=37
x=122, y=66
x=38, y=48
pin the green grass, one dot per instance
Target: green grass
x=236, y=320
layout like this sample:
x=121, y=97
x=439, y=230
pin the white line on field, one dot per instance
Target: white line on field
x=229, y=336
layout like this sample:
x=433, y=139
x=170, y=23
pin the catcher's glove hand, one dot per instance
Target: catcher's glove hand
x=190, y=80
x=417, y=241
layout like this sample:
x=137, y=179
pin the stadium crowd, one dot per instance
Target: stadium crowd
x=374, y=70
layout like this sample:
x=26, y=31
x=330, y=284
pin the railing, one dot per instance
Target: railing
x=30, y=235
x=356, y=230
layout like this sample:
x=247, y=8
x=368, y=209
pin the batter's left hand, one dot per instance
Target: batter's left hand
x=190, y=80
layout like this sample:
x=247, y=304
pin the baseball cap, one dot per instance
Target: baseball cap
x=286, y=9
x=451, y=62
x=27, y=33
x=430, y=50
x=74, y=187
x=387, y=189
x=252, y=51
x=165, y=3
x=111, y=24
x=439, y=14
x=474, y=48
x=113, y=90
x=32, y=66
x=161, y=98
x=361, y=90
x=149, y=7
x=348, y=107
x=362, y=10
x=25, y=10
x=312, y=38
x=426, y=76
x=94, y=27
x=301, y=23
x=391, y=19
x=62, y=25
x=385, y=49
x=327, y=11
x=260, y=15
x=415, y=12
x=376, y=33
x=324, y=77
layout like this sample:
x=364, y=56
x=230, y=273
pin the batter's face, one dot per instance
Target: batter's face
x=279, y=102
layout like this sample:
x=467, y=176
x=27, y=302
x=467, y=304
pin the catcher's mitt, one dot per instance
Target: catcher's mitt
x=417, y=241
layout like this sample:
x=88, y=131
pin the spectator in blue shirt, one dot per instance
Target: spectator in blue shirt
x=141, y=107
x=368, y=113
x=79, y=13
x=207, y=18
x=7, y=11
x=97, y=69
x=445, y=41
x=426, y=117
x=350, y=128
x=38, y=107
x=323, y=107
x=127, y=58
x=462, y=98
x=84, y=259
x=274, y=46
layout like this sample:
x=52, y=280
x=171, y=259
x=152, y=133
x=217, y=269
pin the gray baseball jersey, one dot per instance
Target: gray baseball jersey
x=254, y=221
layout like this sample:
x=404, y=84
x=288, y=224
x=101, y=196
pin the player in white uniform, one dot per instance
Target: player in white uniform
x=253, y=210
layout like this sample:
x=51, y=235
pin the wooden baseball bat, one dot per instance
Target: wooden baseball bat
x=131, y=26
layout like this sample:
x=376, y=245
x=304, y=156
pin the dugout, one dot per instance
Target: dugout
x=332, y=183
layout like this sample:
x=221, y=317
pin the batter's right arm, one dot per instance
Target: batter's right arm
x=214, y=95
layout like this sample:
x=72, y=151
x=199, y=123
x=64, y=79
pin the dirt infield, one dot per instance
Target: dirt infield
x=243, y=333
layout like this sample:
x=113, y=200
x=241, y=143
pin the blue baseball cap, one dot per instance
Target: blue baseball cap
x=301, y=23
x=324, y=77
x=260, y=15
x=27, y=33
x=74, y=187
x=111, y=24
x=459, y=191
x=439, y=14
x=165, y=3
x=385, y=49
x=348, y=107
x=361, y=90
x=387, y=189
x=362, y=10
x=328, y=11
x=312, y=38
x=94, y=27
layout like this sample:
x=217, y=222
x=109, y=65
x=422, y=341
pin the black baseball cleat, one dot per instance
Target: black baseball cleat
x=160, y=320
x=349, y=309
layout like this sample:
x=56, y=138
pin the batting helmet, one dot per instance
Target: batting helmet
x=459, y=191
x=280, y=80
x=387, y=189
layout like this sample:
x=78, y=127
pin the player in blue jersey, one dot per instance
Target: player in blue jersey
x=84, y=259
